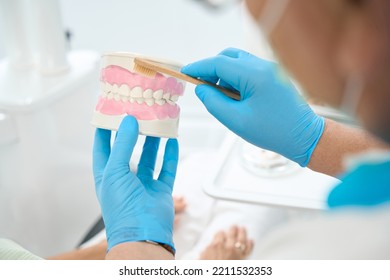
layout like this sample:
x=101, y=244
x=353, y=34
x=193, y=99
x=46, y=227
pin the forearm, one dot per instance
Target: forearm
x=138, y=251
x=95, y=252
x=337, y=142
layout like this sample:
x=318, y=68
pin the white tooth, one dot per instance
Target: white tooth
x=102, y=85
x=131, y=99
x=124, y=90
x=174, y=98
x=158, y=94
x=149, y=102
x=160, y=102
x=110, y=95
x=115, y=88
x=140, y=100
x=166, y=96
x=117, y=97
x=124, y=98
x=136, y=92
x=148, y=93
x=108, y=88
x=170, y=102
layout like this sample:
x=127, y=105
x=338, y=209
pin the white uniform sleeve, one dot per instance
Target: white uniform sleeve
x=347, y=234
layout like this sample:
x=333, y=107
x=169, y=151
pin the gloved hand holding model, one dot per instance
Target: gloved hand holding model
x=271, y=114
x=135, y=207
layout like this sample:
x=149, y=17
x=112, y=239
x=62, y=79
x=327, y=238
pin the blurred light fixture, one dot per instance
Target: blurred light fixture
x=216, y=4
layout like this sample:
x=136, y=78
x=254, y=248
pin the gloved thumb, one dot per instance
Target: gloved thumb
x=218, y=104
x=125, y=141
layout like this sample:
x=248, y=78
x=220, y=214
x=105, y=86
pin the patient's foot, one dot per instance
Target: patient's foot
x=229, y=245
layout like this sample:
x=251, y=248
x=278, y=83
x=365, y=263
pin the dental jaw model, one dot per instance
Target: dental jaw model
x=151, y=100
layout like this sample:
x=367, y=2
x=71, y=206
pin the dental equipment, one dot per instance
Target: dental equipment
x=46, y=94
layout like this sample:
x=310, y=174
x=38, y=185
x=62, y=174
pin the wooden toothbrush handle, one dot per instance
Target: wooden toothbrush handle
x=230, y=93
x=160, y=68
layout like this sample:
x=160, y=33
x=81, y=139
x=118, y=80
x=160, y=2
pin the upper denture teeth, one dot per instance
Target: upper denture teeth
x=148, y=93
x=115, y=88
x=124, y=90
x=158, y=94
x=136, y=92
x=174, y=98
x=166, y=96
x=108, y=88
x=117, y=97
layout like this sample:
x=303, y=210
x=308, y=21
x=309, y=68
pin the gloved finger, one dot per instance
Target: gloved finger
x=124, y=143
x=233, y=52
x=169, y=167
x=148, y=158
x=101, y=153
x=223, y=108
x=225, y=68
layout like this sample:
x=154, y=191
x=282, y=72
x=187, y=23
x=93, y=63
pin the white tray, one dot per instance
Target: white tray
x=229, y=179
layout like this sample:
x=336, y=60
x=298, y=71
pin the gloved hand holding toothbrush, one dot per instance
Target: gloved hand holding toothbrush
x=271, y=114
x=135, y=207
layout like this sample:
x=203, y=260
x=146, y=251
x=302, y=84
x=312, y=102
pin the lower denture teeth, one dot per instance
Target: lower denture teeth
x=117, y=97
x=160, y=102
x=170, y=102
x=149, y=102
x=125, y=99
x=110, y=95
x=139, y=100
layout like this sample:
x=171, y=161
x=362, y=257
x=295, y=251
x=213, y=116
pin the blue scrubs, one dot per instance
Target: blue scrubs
x=366, y=185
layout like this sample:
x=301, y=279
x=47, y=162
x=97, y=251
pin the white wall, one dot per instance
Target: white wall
x=179, y=29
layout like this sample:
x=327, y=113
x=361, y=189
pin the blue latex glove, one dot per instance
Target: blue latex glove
x=270, y=115
x=135, y=207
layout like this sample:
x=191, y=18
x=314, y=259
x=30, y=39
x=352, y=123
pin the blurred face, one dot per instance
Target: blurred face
x=324, y=42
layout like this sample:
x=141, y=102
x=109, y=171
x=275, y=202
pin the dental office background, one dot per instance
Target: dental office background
x=47, y=199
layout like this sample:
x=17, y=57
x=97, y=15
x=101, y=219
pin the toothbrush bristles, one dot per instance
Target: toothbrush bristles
x=145, y=71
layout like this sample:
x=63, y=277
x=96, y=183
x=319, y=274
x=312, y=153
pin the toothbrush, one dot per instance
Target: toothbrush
x=150, y=69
